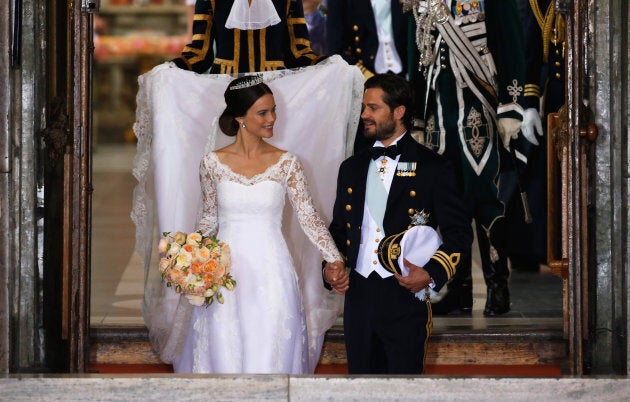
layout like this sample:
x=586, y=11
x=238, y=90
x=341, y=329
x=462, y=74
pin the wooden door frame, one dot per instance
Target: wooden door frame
x=570, y=136
x=69, y=143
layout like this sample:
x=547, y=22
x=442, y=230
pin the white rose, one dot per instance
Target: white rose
x=196, y=300
x=174, y=249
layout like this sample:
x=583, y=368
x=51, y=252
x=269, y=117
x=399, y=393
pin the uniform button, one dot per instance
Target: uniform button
x=349, y=190
x=557, y=51
x=372, y=57
x=356, y=38
x=412, y=193
x=355, y=28
x=442, y=58
x=411, y=211
x=374, y=262
x=443, y=66
x=378, y=229
x=348, y=225
x=557, y=63
x=375, y=251
x=377, y=240
x=558, y=75
x=358, y=50
x=348, y=207
x=347, y=242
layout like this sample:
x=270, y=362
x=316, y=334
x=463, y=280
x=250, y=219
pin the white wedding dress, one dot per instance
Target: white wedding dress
x=177, y=114
x=261, y=327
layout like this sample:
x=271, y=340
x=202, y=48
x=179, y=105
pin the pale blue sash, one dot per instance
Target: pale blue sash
x=375, y=195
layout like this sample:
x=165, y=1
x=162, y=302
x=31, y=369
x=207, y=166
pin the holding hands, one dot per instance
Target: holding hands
x=336, y=276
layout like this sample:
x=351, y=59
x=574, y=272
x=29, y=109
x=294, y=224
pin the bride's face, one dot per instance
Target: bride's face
x=261, y=117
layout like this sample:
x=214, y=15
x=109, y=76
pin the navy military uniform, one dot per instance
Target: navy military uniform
x=380, y=307
x=471, y=55
x=284, y=45
x=352, y=32
x=545, y=72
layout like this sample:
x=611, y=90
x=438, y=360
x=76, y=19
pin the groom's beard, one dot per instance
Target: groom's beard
x=380, y=130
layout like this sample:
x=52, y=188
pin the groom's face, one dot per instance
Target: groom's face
x=378, y=118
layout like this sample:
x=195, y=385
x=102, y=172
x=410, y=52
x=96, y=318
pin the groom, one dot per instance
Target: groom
x=379, y=191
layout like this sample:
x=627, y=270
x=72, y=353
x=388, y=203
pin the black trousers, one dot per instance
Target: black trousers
x=385, y=327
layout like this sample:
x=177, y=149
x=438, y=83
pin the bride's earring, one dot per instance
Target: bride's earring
x=243, y=124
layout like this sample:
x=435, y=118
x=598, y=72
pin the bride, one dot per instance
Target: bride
x=261, y=326
x=177, y=125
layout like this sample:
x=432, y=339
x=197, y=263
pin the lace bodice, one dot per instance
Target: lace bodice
x=261, y=197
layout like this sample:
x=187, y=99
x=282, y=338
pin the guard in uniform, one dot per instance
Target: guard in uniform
x=544, y=94
x=371, y=34
x=284, y=44
x=471, y=56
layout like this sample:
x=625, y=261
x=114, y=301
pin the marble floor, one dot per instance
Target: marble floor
x=117, y=277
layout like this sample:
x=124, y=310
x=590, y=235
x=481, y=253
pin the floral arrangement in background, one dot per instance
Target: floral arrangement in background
x=196, y=266
x=138, y=44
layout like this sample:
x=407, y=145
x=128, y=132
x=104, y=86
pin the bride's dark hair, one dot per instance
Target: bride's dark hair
x=239, y=96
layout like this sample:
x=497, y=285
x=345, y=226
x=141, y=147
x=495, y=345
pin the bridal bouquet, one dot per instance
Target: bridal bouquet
x=196, y=266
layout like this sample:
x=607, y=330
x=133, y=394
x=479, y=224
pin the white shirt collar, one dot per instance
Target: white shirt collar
x=257, y=15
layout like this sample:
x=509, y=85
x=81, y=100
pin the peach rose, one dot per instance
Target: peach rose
x=163, y=245
x=202, y=254
x=189, y=248
x=179, y=238
x=164, y=264
x=215, y=269
x=195, y=267
x=194, y=239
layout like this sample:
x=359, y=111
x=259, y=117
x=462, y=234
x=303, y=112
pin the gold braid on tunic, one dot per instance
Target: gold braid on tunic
x=551, y=21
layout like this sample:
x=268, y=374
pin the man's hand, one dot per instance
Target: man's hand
x=336, y=275
x=531, y=123
x=417, y=279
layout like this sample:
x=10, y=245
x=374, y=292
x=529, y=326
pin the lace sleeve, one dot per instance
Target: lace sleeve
x=208, y=221
x=310, y=221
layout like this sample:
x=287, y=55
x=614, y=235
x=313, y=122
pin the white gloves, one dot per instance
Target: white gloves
x=531, y=122
x=508, y=129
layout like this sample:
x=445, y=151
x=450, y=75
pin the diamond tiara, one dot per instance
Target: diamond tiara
x=250, y=81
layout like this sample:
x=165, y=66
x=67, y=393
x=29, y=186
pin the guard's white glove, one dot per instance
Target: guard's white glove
x=508, y=129
x=531, y=123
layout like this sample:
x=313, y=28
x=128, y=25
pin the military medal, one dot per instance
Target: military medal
x=382, y=170
x=406, y=169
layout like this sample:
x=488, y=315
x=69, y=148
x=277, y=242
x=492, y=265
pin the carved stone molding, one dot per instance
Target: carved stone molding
x=56, y=135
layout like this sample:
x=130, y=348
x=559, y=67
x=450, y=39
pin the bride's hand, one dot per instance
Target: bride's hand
x=337, y=277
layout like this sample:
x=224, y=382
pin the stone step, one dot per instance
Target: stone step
x=130, y=345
